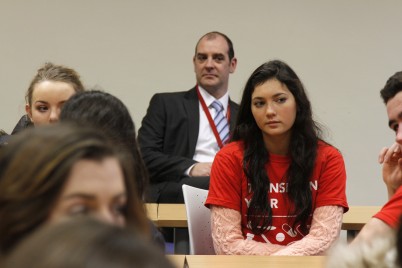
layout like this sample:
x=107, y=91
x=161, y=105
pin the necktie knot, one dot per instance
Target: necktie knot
x=217, y=105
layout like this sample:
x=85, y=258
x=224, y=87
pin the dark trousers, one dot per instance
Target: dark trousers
x=171, y=192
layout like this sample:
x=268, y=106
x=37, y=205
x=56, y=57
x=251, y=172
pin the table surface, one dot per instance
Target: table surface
x=177, y=260
x=358, y=216
x=174, y=215
x=152, y=212
x=220, y=261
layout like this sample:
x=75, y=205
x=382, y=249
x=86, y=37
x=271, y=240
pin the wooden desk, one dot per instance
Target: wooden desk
x=172, y=215
x=175, y=215
x=356, y=218
x=177, y=260
x=220, y=261
x=152, y=212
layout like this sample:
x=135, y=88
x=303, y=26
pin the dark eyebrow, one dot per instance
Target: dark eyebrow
x=92, y=197
x=274, y=96
x=79, y=195
x=391, y=122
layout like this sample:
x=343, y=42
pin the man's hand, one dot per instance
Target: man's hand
x=201, y=169
x=391, y=158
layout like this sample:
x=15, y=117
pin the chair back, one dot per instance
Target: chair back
x=198, y=221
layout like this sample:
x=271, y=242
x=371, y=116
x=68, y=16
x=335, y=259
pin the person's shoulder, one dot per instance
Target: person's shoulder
x=230, y=155
x=325, y=150
x=397, y=195
x=235, y=148
x=326, y=147
x=235, y=104
x=4, y=139
x=173, y=94
x=22, y=124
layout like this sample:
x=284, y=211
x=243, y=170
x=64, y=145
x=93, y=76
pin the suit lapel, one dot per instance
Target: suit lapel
x=193, y=117
x=233, y=114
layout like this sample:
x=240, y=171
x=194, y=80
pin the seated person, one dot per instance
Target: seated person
x=182, y=131
x=278, y=188
x=387, y=219
x=49, y=174
x=109, y=114
x=381, y=251
x=49, y=89
x=86, y=243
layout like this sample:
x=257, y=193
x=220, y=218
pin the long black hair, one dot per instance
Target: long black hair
x=302, y=149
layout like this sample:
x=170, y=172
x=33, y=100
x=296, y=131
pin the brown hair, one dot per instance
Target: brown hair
x=57, y=73
x=34, y=167
x=86, y=243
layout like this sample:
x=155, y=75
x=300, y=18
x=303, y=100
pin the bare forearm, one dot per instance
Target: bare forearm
x=373, y=228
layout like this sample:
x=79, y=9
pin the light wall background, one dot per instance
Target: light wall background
x=344, y=51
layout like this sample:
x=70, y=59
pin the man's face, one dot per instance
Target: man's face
x=212, y=65
x=394, y=110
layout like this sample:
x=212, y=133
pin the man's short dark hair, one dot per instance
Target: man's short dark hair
x=212, y=35
x=392, y=87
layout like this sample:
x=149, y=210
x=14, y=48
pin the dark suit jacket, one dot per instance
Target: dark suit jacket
x=169, y=132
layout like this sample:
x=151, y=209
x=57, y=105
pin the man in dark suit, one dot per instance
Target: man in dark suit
x=178, y=137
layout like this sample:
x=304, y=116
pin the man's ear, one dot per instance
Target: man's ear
x=233, y=64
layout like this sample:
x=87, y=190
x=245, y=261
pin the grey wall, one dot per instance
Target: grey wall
x=343, y=50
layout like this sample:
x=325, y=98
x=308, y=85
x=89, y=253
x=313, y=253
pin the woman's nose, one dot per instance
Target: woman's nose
x=54, y=115
x=270, y=110
x=109, y=217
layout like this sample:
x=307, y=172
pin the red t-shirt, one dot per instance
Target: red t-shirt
x=228, y=188
x=392, y=210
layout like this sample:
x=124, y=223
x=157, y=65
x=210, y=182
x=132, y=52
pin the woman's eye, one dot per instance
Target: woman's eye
x=281, y=100
x=78, y=210
x=42, y=108
x=120, y=209
x=258, y=104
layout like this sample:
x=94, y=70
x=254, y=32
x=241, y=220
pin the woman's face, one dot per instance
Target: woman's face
x=274, y=109
x=94, y=188
x=48, y=98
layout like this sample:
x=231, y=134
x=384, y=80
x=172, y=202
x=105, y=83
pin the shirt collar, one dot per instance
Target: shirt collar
x=208, y=98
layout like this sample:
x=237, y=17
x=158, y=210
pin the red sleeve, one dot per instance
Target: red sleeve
x=226, y=179
x=392, y=210
x=332, y=178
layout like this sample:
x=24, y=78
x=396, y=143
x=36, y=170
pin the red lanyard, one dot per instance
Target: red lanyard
x=210, y=120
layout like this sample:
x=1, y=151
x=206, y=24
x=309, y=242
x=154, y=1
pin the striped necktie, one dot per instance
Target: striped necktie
x=221, y=121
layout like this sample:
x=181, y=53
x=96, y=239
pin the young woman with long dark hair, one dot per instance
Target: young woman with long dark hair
x=277, y=188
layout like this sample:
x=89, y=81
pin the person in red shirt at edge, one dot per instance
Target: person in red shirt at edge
x=387, y=219
x=277, y=188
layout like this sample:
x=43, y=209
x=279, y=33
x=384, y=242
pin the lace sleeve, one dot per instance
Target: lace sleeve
x=325, y=229
x=227, y=235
